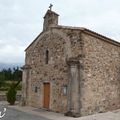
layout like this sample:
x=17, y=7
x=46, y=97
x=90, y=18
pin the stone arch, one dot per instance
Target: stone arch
x=67, y=46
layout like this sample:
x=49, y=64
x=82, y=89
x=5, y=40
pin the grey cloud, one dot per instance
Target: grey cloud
x=21, y=21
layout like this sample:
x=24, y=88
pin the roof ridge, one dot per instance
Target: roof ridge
x=88, y=31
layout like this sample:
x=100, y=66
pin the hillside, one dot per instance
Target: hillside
x=10, y=65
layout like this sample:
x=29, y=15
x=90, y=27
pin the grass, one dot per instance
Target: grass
x=6, y=86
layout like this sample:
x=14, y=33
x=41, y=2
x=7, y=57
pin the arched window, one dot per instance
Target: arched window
x=47, y=56
x=36, y=89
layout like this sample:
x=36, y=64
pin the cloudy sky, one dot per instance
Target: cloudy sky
x=21, y=21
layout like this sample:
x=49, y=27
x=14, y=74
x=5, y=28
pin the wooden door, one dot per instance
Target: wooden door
x=46, y=95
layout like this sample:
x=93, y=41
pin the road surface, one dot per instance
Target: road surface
x=12, y=114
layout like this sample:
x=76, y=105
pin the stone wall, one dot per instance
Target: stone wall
x=55, y=72
x=101, y=83
x=99, y=86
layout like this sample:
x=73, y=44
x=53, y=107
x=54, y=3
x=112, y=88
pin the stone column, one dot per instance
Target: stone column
x=73, y=88
x=25, y=79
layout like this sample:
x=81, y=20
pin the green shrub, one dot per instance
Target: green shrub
x=11, y=94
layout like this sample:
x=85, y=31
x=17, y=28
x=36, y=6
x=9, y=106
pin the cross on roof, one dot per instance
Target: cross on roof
x=50, y=6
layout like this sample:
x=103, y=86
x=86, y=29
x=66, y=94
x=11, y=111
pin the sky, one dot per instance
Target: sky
x=22, y=20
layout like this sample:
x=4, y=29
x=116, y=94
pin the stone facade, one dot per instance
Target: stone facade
x=81, y=66
x=101, y=83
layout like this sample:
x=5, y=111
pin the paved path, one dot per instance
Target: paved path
x=13, y=114
x=30, y=113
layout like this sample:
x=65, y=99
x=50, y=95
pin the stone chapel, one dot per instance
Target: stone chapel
x=71, y=70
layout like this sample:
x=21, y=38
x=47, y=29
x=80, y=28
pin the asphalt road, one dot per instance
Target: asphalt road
x=12, y=114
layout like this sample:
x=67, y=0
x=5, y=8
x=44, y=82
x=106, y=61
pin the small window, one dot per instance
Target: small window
x=36, y=89
x=64, y=90
x=47, y=56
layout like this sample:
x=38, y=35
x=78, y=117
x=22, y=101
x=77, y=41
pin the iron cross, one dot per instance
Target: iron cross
x=50, y=6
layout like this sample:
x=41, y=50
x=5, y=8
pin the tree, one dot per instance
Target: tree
x=7, y=73
x=17, y=74
x=2, y=79
x=11, y=74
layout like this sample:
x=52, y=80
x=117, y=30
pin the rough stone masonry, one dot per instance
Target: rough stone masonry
x=71, y=70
